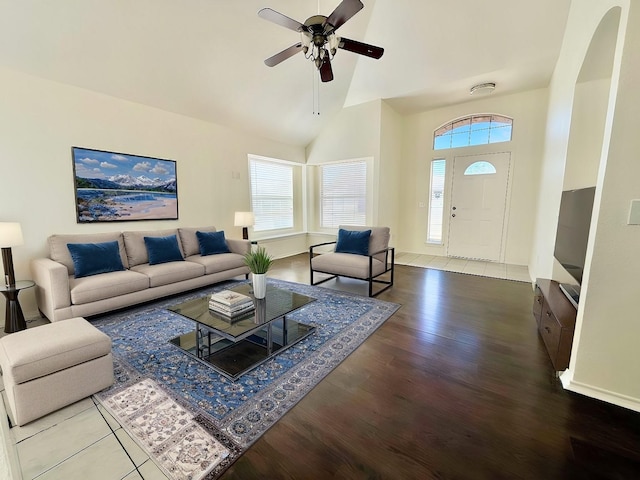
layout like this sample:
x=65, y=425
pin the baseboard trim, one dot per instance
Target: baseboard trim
x=618, y=399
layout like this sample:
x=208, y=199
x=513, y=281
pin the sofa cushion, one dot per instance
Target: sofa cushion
x=239, y=246
x=171, y=272
x=93, y=258
x=40, y=351
x=163, y=249
x=379, y=239
x=135, y=247
x=218, y=263
x=212, y=243
x=106, y=285
x=59, y=252
x=353, y=241
x=347, y=264
x=189, y=241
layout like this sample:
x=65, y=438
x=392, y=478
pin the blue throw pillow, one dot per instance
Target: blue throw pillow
x=212, y=243
x=93, y=258
x=163, y=249
x=353, y=241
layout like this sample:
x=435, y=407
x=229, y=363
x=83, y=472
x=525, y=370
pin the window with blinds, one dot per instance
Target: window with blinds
x=271, y=194
x=343, y=194
x=436, y=202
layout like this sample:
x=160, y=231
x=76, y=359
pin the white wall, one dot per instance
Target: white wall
x=371, y=131
x=585, y=15
x=586, y=135
x=605, y=354
x=41, y=120
x=588, y=117
x=391, y=177
x=528, y=111
x=354, y=134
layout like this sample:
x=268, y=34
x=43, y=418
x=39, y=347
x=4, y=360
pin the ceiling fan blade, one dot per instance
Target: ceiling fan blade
x=360, y=48
x=280, y=19
x=283, y=55
x=326, y=72
x=343, y=12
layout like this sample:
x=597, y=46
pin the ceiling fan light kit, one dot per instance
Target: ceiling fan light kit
x=318, y=40
x=482, y=89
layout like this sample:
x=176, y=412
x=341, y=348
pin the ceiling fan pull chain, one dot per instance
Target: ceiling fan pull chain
x=314, y=90
x=318, y=86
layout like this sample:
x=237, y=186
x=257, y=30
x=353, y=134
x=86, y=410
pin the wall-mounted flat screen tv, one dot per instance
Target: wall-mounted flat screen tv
x=572, y=235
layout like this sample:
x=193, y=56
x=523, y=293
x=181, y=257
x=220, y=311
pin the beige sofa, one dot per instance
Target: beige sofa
x=61, y=296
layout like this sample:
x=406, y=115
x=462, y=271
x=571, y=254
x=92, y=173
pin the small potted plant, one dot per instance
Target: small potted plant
x=259, y=262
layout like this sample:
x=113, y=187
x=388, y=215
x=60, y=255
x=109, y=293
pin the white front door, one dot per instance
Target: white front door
x=478, y=204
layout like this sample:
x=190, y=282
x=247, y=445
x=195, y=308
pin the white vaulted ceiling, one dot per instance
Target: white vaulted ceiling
x=204, y=58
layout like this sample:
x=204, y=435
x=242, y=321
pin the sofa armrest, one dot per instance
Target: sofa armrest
x=241, y=247
x=384, y=250
x=312, y=247
x=52, y=285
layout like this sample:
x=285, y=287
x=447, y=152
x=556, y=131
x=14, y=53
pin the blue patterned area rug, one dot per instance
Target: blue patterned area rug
x=195, y=422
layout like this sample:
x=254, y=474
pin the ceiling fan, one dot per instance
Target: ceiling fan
x=319, y=41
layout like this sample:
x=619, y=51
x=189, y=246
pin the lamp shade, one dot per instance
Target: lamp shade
x=10, y=234
x=244, y=219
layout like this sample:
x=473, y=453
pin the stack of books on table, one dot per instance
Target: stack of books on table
x=230, y=303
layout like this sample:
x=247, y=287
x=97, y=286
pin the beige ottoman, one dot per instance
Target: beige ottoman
x=48, y=367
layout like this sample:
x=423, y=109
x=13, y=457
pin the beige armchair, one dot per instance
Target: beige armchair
x=345, y=261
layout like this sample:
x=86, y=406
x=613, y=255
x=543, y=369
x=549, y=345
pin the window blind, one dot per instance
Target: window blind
x=343, y=194
x=436, y=201
x=271, y=195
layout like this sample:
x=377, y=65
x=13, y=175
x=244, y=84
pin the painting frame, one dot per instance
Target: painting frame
x=121, y=187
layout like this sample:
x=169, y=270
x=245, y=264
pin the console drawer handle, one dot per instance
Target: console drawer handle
x=547, y=329
x=548, y=313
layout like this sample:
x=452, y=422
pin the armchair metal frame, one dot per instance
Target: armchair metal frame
x=371, y=279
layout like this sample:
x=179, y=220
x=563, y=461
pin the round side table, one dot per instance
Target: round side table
x=14, y=318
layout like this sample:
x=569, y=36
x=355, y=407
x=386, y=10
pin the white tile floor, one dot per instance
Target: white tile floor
x=519, y=273
x=84, y=441
x=79, y=441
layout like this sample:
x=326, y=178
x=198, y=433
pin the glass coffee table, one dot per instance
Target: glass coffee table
x=235, y=346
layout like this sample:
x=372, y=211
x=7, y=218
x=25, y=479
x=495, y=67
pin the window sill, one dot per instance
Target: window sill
x=325, y=234
x=277, y=237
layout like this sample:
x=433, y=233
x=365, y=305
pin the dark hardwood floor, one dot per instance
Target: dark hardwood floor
x=456, y=385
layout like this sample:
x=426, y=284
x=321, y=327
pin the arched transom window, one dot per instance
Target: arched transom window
x=473, y=130
x=480, y=168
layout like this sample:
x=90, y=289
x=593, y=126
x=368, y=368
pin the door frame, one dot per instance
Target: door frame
x=507, y=209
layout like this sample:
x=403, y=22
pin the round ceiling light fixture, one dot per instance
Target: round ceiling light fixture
x=482, y=89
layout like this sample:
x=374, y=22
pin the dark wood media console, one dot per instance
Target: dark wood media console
x=556, y=319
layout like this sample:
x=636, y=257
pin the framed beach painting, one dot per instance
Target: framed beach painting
x=117, y=187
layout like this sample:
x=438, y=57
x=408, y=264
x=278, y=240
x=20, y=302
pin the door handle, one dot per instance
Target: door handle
x=453, y=208
x=453, y=215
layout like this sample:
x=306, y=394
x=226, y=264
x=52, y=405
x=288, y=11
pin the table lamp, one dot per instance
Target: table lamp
x=10, y=236
x=244, y=220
